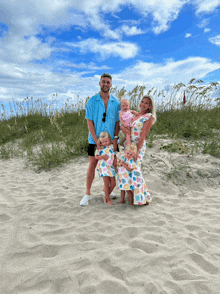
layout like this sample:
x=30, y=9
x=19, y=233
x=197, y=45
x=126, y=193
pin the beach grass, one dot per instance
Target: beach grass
x=50, y=137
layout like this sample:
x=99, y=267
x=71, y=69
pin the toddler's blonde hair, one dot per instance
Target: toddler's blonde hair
x=104, y=135
x=124, y=99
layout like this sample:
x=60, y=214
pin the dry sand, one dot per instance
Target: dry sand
x=49, y=244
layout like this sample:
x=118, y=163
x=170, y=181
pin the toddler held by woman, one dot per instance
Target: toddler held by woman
x=125, y=116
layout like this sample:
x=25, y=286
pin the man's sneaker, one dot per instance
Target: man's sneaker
x=85, y=200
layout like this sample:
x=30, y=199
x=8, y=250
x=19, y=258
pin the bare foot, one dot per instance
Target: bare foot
x=120, y=202
x=131, y=199
x=131, y=202
x=105, y=200
x=110, y=203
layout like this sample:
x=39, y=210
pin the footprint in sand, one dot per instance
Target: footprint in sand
x=145, y=246
x=204, y=264
x=4, y=217
x=112, y=287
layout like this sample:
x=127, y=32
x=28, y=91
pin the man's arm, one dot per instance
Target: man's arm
x=115, y=140
x=92, y=132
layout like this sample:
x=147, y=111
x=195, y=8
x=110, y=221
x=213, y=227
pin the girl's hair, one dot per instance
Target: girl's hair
x=104, y=135
x=122, y=100
x=152, y=107
x=132, y=147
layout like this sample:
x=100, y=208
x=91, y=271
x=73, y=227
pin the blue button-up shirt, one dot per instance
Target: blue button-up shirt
x=95, y=108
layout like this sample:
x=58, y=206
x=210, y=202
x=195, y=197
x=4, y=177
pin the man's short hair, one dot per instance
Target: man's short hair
x=106, y=75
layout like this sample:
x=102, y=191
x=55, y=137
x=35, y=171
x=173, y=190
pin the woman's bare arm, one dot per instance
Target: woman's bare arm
x=134, y=112
x=145, y=130
x=104, y=157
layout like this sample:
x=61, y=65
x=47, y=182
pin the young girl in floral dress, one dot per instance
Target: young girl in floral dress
x=105, y=166
x=126, y=166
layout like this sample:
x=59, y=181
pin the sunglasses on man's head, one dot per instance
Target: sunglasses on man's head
x=104, y=116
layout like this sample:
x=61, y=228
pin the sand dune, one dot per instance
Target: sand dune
x=49, y=244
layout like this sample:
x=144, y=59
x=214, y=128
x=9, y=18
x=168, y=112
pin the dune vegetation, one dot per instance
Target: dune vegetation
x=49, y=136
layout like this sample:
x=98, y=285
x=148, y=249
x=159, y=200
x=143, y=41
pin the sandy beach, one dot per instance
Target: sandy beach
x=50, y=244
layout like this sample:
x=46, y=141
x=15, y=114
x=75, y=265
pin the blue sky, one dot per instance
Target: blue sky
x=64, y=46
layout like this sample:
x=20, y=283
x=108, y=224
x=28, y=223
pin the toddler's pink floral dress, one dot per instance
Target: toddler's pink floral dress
x=126, y=116
x=141, y=193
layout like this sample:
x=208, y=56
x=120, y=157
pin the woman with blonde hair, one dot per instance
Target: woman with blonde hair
x=140, y=126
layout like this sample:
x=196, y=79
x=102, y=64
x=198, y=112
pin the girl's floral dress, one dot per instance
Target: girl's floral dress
x=125, y=181
x=105, y=168
x=141, y=193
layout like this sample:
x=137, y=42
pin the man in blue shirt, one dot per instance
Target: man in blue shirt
x=102, y=115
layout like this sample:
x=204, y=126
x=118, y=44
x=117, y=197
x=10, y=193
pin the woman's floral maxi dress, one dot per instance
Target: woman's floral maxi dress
x=141, y=193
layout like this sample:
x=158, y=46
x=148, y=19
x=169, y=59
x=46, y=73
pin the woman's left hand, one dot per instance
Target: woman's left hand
x=105, y=157
x=125, y=130
x=115, y=162
x=115, y=142
x=136, y=156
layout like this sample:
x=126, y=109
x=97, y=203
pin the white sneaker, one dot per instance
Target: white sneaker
x=112, y=195
x=85, y=200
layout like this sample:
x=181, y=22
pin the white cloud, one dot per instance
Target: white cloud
x=162, y=74
x=206, y=30
x=204, y=23
x=23, y=50
x=188, y=35
x=163, y=13
x=20, y=81
x=120, y=31
x=215, y=40
x=131, y=31
x=21, y=46
x=30, y=16
x=17, y=81
x=204, y=6
x=123, y=49
x=90, y=66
